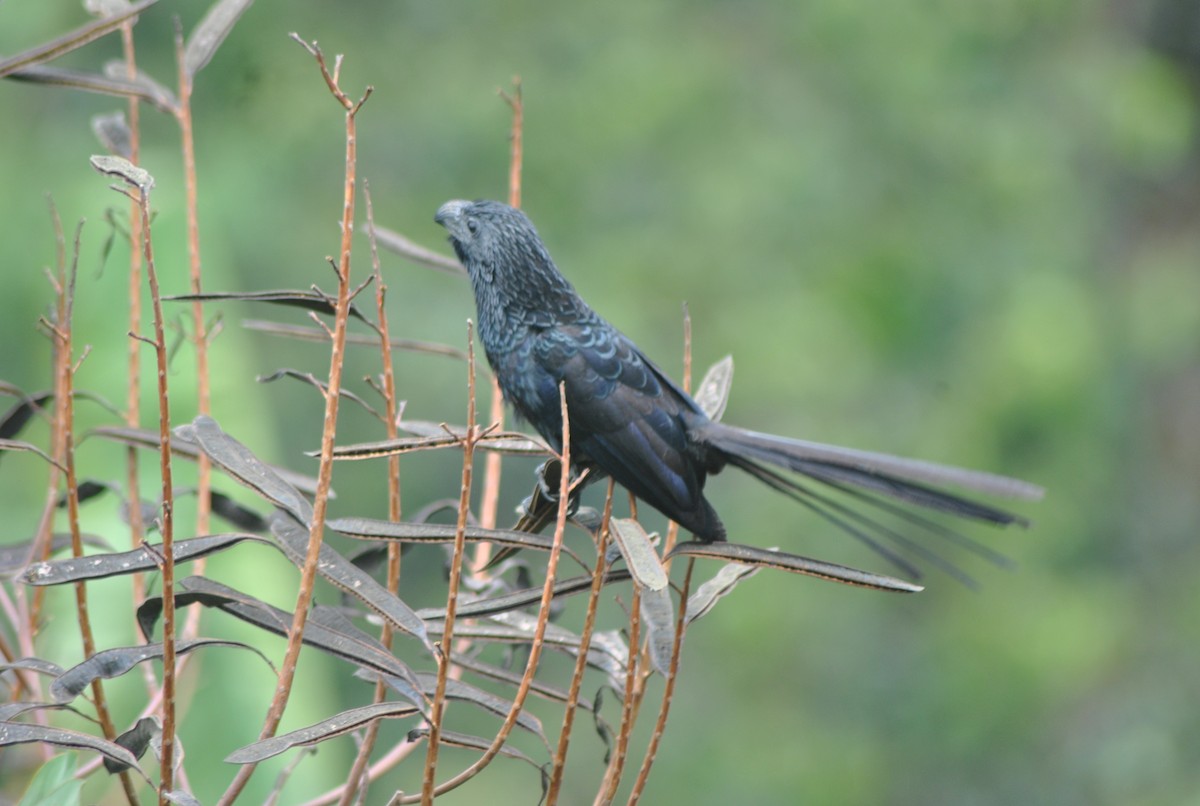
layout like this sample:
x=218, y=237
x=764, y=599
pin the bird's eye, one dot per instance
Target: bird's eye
x=473, y=225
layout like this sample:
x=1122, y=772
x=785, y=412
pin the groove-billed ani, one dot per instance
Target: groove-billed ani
x=629, y=420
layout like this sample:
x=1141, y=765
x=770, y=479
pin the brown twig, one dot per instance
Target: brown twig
x=133, y=355
x=65, y=420
x=539, y=632
x=589, y=625
x=359, y=770
x=183, y=113
x=629, y=705
x=167, y=522
x=308, y=573
x=660, y=725
x=436, y=710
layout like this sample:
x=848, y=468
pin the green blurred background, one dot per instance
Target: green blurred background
x=960, y=231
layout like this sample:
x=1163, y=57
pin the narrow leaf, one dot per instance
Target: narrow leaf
x=16, y=418
x=145, y=558
x=320, y=632
x=395, y=242
x=239, y=462
x=345, y=575
x=721, y=583
x=111, y=663
x=770, y=558
x=124, y=170
x=713, y=392
x=20, y=733
x=141, y=438
x=94, y=82
x=135, y=740
x=210, y=32
x=639, y=554
x=72, y=40
x=317, y=334
x=308, y=300
x=658, y=614
x=337, y=725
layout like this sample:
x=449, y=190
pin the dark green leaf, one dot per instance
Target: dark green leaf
x=771, y=558
x=237, y=460
x=345, y=575
x=146, y=558
x=135, y=740
x=337, y=725
x=20, y=733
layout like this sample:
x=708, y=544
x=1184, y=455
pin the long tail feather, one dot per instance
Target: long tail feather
x=785, y=451
x=843, y=516
x=894, y=476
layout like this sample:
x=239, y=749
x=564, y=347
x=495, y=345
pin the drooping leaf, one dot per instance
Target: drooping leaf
x=309, y=378
x=210, y=32
x=94, y=82
x=145, y=558
x=320, y=632
x=308, y=300
x=342, y=573
x=240, y=516
x=770, y=558
x=124, y=170
x=239, y=462
x=339, y=724
x=658, y=615
x=34, y=665
x=72, y=40
x=141, y=438
x=135, y=740
x=15, y=556
x=713, y=392
x=407, y=531
x=21, y=733
x=110, y=663
x=464, y=692
x=164, y=99
x=15, y=419
x=455, y=739
x=395, y=242
x=19, y=445
x=721, y=583
x=303, y=333
x=639, y=553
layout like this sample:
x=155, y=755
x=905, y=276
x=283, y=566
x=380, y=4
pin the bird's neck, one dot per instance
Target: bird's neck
x=527, y=295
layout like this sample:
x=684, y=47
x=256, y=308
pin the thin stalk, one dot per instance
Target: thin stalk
x=539, y=633
x=359, y=770
x=167, y=522
x=199, y=331
x=65, y=419
x=664, y=709
x=308, y=573
x=464, y=507
x=589, y=625
x=133, y=356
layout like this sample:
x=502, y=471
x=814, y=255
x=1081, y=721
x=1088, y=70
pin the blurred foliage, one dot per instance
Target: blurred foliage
x=961, y=231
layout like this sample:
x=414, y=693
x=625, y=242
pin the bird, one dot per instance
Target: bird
x=628, y=419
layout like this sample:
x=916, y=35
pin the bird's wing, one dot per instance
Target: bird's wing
x=622, y=417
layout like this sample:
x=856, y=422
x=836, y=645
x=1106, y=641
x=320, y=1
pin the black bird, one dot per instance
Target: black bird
x=629, y=420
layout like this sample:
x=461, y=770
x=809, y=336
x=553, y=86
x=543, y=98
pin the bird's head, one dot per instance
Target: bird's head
x=506, y=261
x=490, y=237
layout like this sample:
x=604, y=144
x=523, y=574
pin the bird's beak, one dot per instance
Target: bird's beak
x=449, y=215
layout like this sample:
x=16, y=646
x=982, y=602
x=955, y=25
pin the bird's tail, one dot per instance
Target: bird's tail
x=875, y=479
